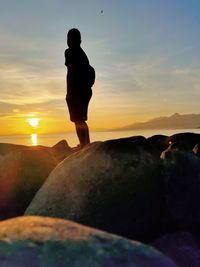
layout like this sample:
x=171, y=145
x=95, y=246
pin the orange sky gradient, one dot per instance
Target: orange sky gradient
x=145, y=53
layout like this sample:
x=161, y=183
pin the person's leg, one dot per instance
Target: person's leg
x=82, y=131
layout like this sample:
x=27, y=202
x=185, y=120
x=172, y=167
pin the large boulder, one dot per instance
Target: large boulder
x=159, y=141
x=114, y=185
x=6, y=148
x=38, y=241
x=182, y=247
x=61, y=150
x=185, y=141
x=182, y=184
x=196, y=150
x=172, y=147
x=22, y=172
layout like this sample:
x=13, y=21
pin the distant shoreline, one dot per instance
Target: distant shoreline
x=104, y=130
x=71, y=138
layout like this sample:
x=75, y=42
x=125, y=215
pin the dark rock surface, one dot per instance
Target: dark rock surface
x=196, y=150
x=185, y=141
x=171, y=147
x=121, y=186
x=113, y=185
x=22, y=172
x=48, y=242
x=7, y=148
x=182, y=184
x=61, y=150
x=182, y=247
x=159, y=141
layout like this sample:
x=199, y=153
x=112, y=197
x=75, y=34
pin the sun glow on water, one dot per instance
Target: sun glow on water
x=34, y=138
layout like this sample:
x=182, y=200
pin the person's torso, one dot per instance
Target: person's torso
x=77, y=64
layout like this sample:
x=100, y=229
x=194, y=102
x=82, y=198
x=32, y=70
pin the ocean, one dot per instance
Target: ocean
x=71, y=138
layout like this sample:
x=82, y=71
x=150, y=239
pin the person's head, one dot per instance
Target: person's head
x=73, y=38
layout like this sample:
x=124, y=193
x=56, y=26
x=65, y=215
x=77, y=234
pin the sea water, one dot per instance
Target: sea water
x=71, y=138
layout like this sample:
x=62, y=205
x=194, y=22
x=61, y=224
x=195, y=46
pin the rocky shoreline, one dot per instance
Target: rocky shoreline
x=124, y=202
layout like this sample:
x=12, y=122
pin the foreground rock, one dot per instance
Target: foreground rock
x=182, y=247
x=113, y=185
x=196, y=150
x=61, y=150
x=159, y=141
x=22, y=172
x=7, y=148
x=182, y=184
x=185, y=141
x=38, y=241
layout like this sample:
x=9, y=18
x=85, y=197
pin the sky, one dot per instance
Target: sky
x=145, y=53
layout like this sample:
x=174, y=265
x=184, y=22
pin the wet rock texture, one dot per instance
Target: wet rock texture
x=142, y=189
x=38, y=241
x=22, y=172
x=113, y=185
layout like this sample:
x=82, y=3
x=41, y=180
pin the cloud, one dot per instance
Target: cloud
x=196, y=87
x=53, y=108
x=20, y=83
x=31, y=69
x=188, y=72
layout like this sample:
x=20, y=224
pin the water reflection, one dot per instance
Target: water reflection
x=34, y=139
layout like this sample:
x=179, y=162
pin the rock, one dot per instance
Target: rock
x=182, y=142
x=7, y=148
x=159, y=141
x=22, y=172
x=61, y=150
x=196, y=150
x=1, y=158
x=38, y=241
x=182, y=183
x=186, y=141
x=113, y=185
x=182, y=247
x=171, y=147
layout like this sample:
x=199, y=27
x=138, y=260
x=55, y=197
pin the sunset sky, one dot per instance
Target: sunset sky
x=146, y=54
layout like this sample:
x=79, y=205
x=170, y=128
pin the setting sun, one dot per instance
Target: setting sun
x=34, y=122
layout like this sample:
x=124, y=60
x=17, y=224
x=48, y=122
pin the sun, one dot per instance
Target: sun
x=34, y=122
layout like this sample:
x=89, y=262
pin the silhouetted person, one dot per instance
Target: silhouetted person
x=79, y=85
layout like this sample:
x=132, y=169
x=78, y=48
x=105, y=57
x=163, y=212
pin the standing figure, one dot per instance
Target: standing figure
x=79, y=85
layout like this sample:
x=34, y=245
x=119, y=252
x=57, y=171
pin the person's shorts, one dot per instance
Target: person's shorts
x=78, y=107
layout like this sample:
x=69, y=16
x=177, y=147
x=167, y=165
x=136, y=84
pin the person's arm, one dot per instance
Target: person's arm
x=67, y=57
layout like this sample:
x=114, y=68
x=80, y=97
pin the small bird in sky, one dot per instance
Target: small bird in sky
x=101, y=11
